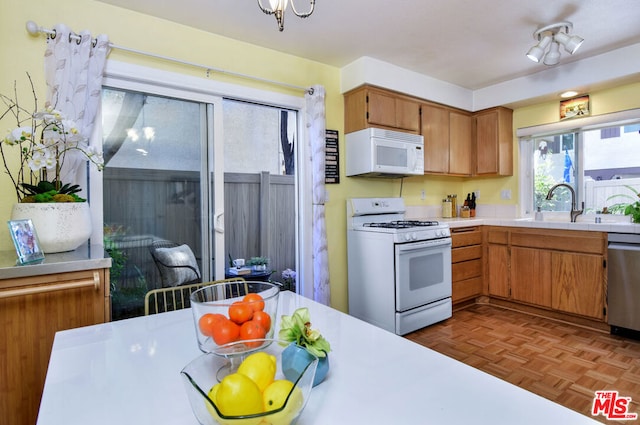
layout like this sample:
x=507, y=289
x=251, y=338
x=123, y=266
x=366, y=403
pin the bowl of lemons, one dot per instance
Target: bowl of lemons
x=230, y=312
x=260, y=391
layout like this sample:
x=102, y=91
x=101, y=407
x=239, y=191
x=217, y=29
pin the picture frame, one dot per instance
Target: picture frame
x=576, y=107
x=26, y=242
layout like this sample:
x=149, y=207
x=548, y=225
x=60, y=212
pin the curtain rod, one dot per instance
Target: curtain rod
x=34, y=29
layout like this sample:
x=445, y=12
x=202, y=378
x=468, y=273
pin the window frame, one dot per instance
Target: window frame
x=166, y=83
x=527, y=135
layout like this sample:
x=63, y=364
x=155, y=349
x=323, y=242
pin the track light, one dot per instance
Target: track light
x=570, y=44
x=552, y=36
x=537, y=51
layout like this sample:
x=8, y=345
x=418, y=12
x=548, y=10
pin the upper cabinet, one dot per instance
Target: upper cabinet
x=372, y=107
x=447, y=140
x=494, y=141
x=456, y=142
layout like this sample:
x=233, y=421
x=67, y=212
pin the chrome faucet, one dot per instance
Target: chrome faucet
x=574, y=212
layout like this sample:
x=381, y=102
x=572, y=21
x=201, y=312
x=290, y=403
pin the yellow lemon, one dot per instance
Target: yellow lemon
x=274, y=397
x=260, y=367
x=238, y=396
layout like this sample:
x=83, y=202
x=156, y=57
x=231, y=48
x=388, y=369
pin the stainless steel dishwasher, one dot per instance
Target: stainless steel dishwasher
x=624, y=283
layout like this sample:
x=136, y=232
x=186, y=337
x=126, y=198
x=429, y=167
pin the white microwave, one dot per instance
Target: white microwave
x=374, y=152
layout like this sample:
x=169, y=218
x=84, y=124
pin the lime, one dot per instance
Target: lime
x=274, y=397
x=260, y=367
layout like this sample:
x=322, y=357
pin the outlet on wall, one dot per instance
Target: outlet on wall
x=505, y=194
x=423, y=195
x=477, y=193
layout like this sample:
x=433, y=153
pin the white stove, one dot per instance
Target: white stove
x=399, y=270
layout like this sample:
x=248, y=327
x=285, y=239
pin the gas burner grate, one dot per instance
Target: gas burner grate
x=402, y=224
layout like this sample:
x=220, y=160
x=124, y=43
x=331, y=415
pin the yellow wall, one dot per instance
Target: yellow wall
x=20, y=52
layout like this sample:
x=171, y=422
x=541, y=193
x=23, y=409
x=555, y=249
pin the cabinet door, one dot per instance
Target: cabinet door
x=498, y=270
x=531, y=276
x=435, y=130
x=382, y=109
x=460, y=143
x=487, y=143
x=578, y=284
x=32, y=310
x=408, y=115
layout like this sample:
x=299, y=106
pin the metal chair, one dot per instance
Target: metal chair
x=176, y=263
x=177, y=297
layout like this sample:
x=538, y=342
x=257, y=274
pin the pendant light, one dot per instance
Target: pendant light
x=278, y=7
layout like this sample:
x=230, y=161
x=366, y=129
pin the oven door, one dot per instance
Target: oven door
x=423, y=272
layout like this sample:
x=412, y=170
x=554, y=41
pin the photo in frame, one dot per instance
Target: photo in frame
x=26, y=242
x=575, y=108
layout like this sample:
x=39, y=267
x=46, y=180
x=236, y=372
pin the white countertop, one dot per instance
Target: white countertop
x=128, y=372
x=585, y=223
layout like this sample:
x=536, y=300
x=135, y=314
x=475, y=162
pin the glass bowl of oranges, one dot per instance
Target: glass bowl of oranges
x=264, y=389
x=232, y=318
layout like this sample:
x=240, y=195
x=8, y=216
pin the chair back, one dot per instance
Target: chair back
x=175, y=298
x=176, y=263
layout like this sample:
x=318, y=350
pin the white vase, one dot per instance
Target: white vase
x=60, y=226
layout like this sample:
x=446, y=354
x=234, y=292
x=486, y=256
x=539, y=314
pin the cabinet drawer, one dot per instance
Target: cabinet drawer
x=466, y=270
x=465, y=236
x=466, y=253
x=466, y=289
x=498, y=236
x=572, y=241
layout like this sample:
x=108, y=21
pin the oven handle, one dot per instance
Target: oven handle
x=412, y=246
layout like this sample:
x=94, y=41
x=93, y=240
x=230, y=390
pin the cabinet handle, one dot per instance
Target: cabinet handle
x=95, y=282
x=463, y=229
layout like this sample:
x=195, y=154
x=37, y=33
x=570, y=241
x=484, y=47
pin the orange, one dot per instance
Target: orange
x=240, y=312
x=252, y=330
x=225, y=332
x=255, y=301
x=263, y=318
x=208, y=322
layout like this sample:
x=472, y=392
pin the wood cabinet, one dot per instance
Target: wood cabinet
x=578, y=284
x=447, y=140
x=493, y=134
x=32, y=310
x=466, y=263
x=562, y=270
x=530, y=276
x=498, y=268
x=369, y=106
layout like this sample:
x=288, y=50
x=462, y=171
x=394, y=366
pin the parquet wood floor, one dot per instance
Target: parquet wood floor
x=559, y=361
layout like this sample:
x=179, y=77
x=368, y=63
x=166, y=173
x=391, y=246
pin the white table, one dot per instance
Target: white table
x=128, y=372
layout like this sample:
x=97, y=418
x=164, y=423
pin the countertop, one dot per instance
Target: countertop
x=129, y=372
x=86, y=257
x=608, y=225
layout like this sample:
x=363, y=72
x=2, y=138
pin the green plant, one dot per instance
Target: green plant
x=44, y=138
x=258, y=261
x=297, y=328
x=626, y=208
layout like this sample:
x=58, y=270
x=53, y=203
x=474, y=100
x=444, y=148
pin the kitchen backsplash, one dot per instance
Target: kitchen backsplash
x=482, y=211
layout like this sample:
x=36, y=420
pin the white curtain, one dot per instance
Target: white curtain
x=73, y=72
x=316, y=125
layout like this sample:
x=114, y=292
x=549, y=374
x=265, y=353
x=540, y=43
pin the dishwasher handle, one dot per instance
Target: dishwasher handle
x=624, y=247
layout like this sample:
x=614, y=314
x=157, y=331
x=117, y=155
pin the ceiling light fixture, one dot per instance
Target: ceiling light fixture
x=278, y=8
x=569, y=93
x=552, y=36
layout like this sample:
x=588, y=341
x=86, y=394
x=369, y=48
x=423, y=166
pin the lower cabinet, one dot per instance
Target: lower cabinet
x=32, y=310
x=466, y=263
x=578, y=284
x=561, y=270
x=531, y=276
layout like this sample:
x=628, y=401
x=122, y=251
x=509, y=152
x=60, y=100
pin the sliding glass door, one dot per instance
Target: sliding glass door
x=156, y=188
